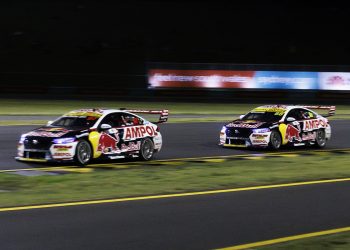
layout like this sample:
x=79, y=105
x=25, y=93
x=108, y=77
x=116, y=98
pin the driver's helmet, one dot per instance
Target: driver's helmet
x=305, y=114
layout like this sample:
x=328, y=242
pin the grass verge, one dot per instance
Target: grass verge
x=339, y=241
x=150, y=180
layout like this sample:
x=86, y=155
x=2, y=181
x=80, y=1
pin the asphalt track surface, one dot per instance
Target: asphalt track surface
x=180, y=140
x=197, y=222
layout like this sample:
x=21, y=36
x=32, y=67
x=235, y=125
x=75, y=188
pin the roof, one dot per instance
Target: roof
x=95, y=112
x=272, y=108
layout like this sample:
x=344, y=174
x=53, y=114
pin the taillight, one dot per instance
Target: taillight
x=158, y=129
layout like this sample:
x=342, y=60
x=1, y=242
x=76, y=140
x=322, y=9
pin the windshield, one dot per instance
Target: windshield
x=81, y=121
x=263, y=116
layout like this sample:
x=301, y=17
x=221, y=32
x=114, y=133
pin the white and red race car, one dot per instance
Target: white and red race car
x=276, y=125
x=86, y=134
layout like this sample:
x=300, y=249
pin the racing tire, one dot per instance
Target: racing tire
x=146, y=149
x=83, y=153
x=321, y=140
x=275, y=140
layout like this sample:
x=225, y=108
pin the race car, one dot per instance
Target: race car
x=273, y=126
x=86, y=134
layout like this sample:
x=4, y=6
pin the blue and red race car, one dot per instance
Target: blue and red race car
x=276, y=125
x=86, y=134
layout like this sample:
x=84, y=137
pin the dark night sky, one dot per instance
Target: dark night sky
x=105, y=36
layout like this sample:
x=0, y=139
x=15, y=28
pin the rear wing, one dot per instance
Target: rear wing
x=164, y=114
x=331, y=109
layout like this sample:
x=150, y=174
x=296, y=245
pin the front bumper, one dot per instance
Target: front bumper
x=56, y=153
x=251, y=140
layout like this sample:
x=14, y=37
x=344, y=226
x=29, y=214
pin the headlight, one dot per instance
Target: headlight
x=223, y=130
x=23, y=137
x=63, y=140
x=261, y=130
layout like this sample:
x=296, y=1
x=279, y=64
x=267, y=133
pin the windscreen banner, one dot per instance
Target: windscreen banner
x=226, y=79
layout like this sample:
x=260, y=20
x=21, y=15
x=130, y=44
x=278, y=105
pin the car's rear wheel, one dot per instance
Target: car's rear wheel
x=275, y=140
x=83, y=153
x=320, y=138
x=146, y=149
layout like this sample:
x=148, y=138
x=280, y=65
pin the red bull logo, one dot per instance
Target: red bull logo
x=107, y=143
x=292, y=133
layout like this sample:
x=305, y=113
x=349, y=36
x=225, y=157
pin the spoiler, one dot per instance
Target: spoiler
x=331, y=109
x=163, y=113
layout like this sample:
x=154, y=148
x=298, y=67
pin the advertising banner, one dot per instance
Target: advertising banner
x=334, y=81
x=247, y=79
x=285, y=80
x=164, y=78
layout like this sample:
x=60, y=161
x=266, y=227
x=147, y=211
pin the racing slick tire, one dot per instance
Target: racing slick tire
x=146, y=149
x=321, y=140
x=83, y=153
x=275, y=140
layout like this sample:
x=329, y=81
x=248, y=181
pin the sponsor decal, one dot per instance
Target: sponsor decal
x=259, y=141
x=293, y=133
x=131, y=133
x=49, y=132
x=309, y=136
x=62, y=146
x=132, y=146
x=245, y=124
x=108, y=143
x=60, y=154
x=86, y=113
x=280, y=111
x=259, y=136
x=314, y=124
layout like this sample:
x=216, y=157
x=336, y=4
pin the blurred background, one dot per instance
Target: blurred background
x=110, y=50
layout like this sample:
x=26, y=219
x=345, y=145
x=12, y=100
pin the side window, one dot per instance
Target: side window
x=293, y=113
x=131, y=120
x=306, y=114
x=113, y=119
x=121, y=120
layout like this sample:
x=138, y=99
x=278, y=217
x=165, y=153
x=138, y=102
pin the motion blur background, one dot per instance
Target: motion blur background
x=104, y=49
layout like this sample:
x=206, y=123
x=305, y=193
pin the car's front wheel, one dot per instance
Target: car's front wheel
x=83, y=153
x=146, y=149
x=275, y=140
x=321, y=138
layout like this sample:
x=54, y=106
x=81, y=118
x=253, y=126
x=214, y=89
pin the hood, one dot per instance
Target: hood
x=247, y=124
x=55, y=132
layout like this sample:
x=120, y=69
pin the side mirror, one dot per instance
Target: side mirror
x=49, y=123
x=105, y=126
x=241, y=116
x=291, y=119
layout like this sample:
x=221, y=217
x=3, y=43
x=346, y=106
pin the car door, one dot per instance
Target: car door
x=309, y=125
x=294, y=126
x=114, y=139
